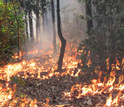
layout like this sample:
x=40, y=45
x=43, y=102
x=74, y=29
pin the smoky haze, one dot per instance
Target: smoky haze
x=73, y=27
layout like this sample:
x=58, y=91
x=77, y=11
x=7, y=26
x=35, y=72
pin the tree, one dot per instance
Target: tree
x=11, y=24
x=18, y=27
x=37, y=12
x=89, y=15
x=30, y=19
x=53, y=22
x=62, y=39
x=105, y=39
x=38, y=7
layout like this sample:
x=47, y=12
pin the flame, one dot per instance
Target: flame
x=16, y=56
x=109, y=101
x=47, y=102
x=97, y=87
x=5, y=94
x=28, y=68
x=43, y=66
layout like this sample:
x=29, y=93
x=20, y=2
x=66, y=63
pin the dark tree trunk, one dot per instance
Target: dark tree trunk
x=26, y=25
x=19, y=41
x=37, y=26
x=43, y=16
x=63, y=41
x=37, y=22
x=112, y=48
x=89, y=13
x=89, y=27
x=53, y=22
x=31, y=25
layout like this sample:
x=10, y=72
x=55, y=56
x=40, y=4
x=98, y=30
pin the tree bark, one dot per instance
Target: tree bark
x=37, y=27
x=62, y=39
x=89, y=13
x=18, y=27
x=37, y=22
x=53, y=22
x=26, y=25
x=31, y=25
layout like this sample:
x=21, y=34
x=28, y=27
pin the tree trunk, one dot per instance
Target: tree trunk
x=31, y=25
x=37, y=26
x=89, y=13
x=37, y=22
x=63, y=41
x=53, y=22
x=112, y=47
x=18, y=27
x=26, y=25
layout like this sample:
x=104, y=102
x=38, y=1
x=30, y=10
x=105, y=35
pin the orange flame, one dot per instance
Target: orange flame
x=44, y=69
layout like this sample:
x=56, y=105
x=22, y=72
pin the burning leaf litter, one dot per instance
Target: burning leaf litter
x=36, y=78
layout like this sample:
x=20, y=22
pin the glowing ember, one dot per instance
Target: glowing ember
x=6, y=94
x=15, y=56
x=43, y=67
x=98, y=88
x=109, y=100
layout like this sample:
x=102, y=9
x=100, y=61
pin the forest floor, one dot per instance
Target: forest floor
x=50, y=91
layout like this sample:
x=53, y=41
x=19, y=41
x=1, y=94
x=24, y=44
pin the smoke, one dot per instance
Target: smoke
x=73, y=27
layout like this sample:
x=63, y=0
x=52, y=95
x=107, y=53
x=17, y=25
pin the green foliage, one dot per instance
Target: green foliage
x=8, y=28
x=18, y=80
x=36, y=6
x=106, y=39
x=22, y=95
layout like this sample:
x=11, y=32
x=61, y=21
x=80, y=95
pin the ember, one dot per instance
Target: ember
x=34, y=68
x=97, y=88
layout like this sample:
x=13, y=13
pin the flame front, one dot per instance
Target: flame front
x=98, y=88
x=43, y=67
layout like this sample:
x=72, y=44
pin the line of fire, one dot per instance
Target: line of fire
x=61, y=53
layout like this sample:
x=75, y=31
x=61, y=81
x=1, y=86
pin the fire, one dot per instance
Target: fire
x=15, y=56
x=12, y=69
x=43, y=67
x=27, y=68
x=109, y=100
x=98, y=88
x=6, y=94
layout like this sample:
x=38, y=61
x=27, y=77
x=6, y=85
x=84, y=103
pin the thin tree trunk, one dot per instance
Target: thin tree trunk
x=43, y=17
x=112, y=48
x=37, y=22
x=62, y=39
x=19, y=42
x=37, y=26
x=90, y=26
x=53, y=22
x=89, y=13
x=26, y=25
x=31, y=25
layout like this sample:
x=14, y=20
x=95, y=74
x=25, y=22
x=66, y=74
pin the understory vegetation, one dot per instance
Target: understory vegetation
x=12, y=29
x=48, y=60
x=104, y=44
